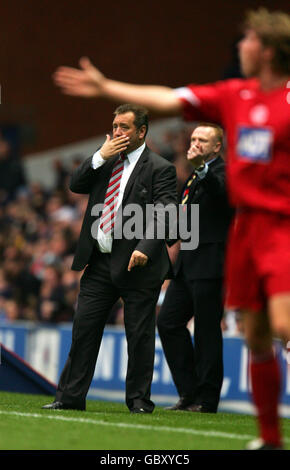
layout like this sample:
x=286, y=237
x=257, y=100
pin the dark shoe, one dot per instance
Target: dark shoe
x=260, y=444
x=200, y=409
x=181, y=405
x=58, y=405
x=136, y=410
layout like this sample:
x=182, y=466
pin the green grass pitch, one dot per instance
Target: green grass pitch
x=109, y=426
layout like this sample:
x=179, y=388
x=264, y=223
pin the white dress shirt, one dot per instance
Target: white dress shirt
x=105, y=240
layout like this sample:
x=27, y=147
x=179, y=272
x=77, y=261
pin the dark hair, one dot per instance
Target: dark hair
x=140, y=113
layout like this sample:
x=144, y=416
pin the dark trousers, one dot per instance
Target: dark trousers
x=197, y=370
x=96, y=298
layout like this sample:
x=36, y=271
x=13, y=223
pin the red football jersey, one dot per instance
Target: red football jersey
x=257, y=127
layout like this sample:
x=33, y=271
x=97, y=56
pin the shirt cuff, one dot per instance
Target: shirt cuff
x=185, y=93
x=97, y=160
x=202, y=173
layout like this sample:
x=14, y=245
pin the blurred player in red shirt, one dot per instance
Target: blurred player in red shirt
x=255, y=113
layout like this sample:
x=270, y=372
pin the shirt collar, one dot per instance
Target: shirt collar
x=212, y=160
x=134, y=156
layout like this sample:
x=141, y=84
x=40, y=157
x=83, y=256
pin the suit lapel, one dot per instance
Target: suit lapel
x=216, y=162
x=108, y=167
x=194, y=193
x=107, y=171
x=138, y=167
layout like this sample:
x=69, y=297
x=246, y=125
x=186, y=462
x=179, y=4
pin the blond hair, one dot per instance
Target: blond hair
x=219, y=133
x=273, y=28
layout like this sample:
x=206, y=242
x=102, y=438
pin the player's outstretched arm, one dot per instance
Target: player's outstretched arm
x=89, y=82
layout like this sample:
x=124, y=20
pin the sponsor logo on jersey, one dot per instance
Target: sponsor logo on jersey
x=255, y=144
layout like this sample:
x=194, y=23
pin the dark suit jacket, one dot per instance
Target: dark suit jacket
x=207, y=260
x=152, y=181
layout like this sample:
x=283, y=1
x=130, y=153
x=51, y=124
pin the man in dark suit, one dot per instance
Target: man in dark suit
x=123, y=172
x=197, y=290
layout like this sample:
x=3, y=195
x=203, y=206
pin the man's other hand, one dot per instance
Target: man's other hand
x=137, y=259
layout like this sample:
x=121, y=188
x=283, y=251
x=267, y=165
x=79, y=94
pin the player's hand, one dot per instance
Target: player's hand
x=86, y=81
x=195, y=156
x=137, y=259
x=113, y=146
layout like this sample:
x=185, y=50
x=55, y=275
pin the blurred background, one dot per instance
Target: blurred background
x=44, y=135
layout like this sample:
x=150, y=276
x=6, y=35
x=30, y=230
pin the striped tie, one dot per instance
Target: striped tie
x=186, y=191
x=107, y=221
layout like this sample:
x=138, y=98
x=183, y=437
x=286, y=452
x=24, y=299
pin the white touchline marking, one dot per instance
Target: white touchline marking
x=145, y=427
